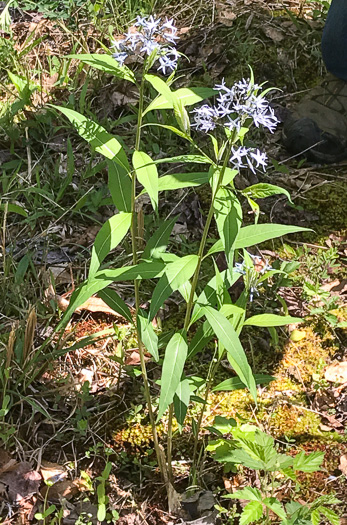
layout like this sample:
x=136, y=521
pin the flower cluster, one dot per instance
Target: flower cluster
x=234, y=106
x=243, y=157
x=150, y=35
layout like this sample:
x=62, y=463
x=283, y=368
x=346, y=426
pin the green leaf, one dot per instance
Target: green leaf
x=14, y=208
x=162, y=87
x=174, y=276
x=234, y=383
x=330, y=515
x=148, y=335
x=109, y=236
x=188, y=97
x=223, y=424
x=182, y=117
x=173, y=364
x=112, y=299
x=197, y=159
x=106, y=63
x=315, y=517
x=158, y=242
x=256, y=234
x=308, y=463
x=274, y=505
x=144, y=270
x=119, y=184
x=147, y=175
x=181, y=401
x=268, y=320
x=248, y=493
x=228, y=215
x=177, y=181
x=229, y=339
x=253, y=511
x=200, y=340
x=102, y=141
x=263, y=190
x=208, y=296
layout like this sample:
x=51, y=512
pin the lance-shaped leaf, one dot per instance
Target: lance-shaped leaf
x=181, y=401
x=119, y=184
x=235, y=383
x=109, y=236
x=114, y=301
x=197, y=159
x=228, y=215
x=263, y=190
x=148, y=335
x=147, y=175
x=162, y=87
x=268, y=320
x=235, y=353
x=13, y=208
x=173, y=364
x=174, y=276
x=208, y=296
x=202, y=337
x=158, y=242
x=257, y=233
x=188, y=96
x=102, y=141
x=177, y=181
x=106, y=63
x=145, y=270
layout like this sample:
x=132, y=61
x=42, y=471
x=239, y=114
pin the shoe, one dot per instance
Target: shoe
x=317, y=127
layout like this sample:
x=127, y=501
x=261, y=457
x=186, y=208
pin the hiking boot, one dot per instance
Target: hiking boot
x=317, y=127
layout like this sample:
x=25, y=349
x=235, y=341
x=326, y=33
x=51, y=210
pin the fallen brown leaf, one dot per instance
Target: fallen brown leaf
x=64, y=489
x=21, y=482
x=52, y=472
x=343, y=464
x=6, y=462
x=336, y=373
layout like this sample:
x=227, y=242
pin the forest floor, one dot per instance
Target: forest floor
x=71, y=406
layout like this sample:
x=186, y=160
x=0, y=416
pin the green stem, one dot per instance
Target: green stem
x=169, y=444
x=195, y=279
x=190, y=303
x=211, y=372
x=147, y=393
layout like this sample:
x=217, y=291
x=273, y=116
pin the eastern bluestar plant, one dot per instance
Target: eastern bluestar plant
x=209, y=307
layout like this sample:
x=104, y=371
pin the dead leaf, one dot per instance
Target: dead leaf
x=336, y=287
x=95, y=304
x=133, y=358
x=343, y=464
x=52, y=472
x=336, y=373
x=226, y=12
x=275, y=34
x=64, y=489
x=6, y=462
x=21, y=482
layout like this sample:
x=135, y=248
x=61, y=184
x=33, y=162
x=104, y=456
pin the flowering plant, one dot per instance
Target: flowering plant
x=209, y=309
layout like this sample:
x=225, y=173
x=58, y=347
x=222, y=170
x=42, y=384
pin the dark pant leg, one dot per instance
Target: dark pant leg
x=334, y=41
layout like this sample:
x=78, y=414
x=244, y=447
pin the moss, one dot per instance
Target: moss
x=302, y=359
x=328, y=201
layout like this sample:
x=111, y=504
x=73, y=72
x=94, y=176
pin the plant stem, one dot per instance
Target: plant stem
x=190, y=303
x=211, y=372
x=169, y=444
x=147, y=393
